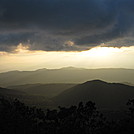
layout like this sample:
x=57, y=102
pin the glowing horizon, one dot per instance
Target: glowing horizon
x=98, y=57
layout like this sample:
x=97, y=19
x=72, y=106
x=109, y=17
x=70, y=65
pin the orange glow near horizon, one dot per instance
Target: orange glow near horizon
x=97, y=57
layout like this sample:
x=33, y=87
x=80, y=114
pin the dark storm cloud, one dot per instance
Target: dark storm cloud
x=49, y=24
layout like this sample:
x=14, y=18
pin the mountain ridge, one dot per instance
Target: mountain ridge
x=68, y=67
x=105, y=95
x=66, y=75
x=46, y=90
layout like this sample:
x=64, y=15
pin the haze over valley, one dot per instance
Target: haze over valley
x=66, y=75
x=66, y=66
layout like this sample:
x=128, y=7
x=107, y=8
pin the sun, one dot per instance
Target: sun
x=98, y=52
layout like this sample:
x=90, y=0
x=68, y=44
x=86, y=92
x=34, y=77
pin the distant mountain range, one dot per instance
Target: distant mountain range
x=105, y=95
x=66, y=75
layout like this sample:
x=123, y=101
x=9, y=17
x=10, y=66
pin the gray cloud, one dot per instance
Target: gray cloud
x=49, y=24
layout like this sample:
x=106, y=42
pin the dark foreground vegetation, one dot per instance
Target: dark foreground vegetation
x=17, y=118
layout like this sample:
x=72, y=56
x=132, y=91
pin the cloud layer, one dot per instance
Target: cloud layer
x=66, y=25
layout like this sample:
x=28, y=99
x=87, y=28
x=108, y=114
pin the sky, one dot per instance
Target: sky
x=57, y=33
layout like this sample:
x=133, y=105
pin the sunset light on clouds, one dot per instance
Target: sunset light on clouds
x=98, y=57
x=53, y=34
x=66, y=66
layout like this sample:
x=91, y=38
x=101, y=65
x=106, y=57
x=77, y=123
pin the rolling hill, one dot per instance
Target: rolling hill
x=31, y=100
x=46, y=90
x=10, y=92
x=105, y=95
x=66, y=75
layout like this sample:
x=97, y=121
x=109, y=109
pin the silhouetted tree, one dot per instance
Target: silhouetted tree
x=17, y=118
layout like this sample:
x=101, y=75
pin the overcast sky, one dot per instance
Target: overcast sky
x=66, y=25
x=54, y=33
